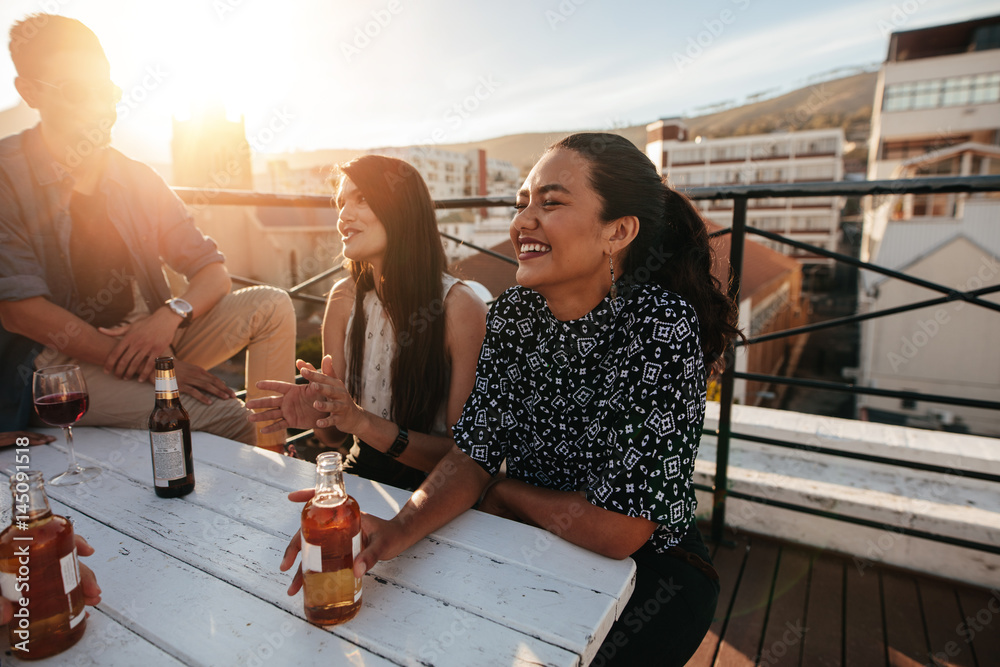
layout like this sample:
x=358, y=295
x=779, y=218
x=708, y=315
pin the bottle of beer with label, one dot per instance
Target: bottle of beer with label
x=170, y=436
x=331, y=540
x=39, y=574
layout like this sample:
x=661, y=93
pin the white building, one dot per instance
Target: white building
x=938, y=90
x=786, y=157
x=936, y=113
x=452, y=175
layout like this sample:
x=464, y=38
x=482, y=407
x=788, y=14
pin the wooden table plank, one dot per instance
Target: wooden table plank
x=105, y=643
x=749, y=612
x=904, y=624
x=253, y=503
x=530, y=547
x=786, y=621
x=247, y=557
x=864, y=638
x=943, y=616
x=728, y=561
x=191, y=615
x=823, y=643
x=980, y=625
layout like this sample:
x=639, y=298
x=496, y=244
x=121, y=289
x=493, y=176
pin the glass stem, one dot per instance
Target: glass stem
x=68, y=430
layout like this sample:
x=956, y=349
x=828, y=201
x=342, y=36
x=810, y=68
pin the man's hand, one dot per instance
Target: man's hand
x=91, y=591
x=139, y=344
x=199, y=384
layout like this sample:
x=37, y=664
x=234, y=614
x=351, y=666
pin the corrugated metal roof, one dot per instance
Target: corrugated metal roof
x=906, y=241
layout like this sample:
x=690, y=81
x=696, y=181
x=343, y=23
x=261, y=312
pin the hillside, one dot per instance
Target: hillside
x=845, y=102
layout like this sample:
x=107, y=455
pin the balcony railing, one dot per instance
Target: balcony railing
x=741, y=195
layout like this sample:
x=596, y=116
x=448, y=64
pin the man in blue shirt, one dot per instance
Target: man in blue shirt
x=85, y=232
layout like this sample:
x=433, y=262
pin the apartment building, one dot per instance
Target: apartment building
x=936, y=113
x=785, y=157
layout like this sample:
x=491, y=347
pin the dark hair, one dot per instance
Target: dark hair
x=38, y=36
x=628, y=184
x=410, y=288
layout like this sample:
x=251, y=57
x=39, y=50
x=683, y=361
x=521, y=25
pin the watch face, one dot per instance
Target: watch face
x=181, y=307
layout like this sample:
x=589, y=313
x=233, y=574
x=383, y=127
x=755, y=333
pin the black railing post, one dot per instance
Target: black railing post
x=725, y=428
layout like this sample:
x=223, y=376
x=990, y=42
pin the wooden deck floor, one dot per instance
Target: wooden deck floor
x=785, y=604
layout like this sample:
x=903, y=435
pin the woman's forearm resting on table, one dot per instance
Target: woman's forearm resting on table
x=450, y=489
x=422, y=452
x=569, y=515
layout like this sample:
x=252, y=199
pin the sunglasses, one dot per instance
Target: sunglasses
x=77, y=93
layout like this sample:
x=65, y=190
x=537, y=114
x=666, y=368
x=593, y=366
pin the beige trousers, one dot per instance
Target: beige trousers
x=260, y=319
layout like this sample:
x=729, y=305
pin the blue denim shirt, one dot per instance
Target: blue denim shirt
x=35, y=227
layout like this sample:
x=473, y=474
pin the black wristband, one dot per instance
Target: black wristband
x=399, y=444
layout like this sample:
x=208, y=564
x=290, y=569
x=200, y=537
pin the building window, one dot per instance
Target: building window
x=948, y=92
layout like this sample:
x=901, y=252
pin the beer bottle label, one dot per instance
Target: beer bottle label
x=312, y=556
x=168, y=456
x=8, y=586
x=70, y=571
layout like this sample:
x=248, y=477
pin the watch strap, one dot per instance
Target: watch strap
x=399, y=444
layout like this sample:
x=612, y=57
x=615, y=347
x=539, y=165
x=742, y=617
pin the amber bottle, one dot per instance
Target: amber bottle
x=39, y=574
x=331, y=540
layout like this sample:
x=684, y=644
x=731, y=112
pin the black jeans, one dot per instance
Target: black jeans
x=669, y=612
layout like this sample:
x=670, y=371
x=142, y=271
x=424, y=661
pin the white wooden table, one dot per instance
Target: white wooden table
x=195, y=580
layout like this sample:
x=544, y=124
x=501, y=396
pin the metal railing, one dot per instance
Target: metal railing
x=741, y=195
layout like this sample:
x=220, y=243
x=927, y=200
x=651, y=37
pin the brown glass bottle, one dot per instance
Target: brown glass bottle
x=38, y=561
x=331, y=539
x=170, y=436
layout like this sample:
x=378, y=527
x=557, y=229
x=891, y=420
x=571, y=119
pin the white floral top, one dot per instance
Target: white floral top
x=381, y=347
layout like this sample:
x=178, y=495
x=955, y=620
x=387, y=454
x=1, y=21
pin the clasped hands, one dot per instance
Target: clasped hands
x=323, y=403
x=140, y=342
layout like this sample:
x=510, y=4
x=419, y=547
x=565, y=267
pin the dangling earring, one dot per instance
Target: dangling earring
x=614, y=287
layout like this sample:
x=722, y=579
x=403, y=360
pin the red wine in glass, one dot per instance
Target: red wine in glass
x=61, y=399
x=61, y=409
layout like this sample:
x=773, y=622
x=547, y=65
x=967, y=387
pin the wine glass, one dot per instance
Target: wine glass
x=60, y=396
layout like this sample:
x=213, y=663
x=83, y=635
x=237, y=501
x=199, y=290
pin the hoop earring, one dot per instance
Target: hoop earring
x=614, y=287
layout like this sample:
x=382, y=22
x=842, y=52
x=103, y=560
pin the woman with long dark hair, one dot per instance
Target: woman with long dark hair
x=400, y=336
x=591, y=387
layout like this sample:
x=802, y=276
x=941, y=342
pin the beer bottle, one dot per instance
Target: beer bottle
x=170, y=436
x=39, y=574
x=331, y=540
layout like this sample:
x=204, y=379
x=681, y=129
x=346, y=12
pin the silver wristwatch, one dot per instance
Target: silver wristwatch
x=181, y=307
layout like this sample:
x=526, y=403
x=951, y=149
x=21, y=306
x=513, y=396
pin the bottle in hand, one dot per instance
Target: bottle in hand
x=331, y=540
x=170, y=436
x=39, y=574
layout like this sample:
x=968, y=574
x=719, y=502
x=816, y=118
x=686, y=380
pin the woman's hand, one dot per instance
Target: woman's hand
x=494, y=502
x=343, y=413
x=377, y=538
x=291, y=408
x=91, y=591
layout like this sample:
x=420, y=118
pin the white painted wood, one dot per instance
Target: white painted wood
x=458, y=600
x=189, y=614
x=530, y=547
x=105, y=643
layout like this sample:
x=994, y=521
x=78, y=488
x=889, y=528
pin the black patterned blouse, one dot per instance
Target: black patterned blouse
x=612, y=403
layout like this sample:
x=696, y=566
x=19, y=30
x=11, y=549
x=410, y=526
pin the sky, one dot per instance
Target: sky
x=311, y=74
